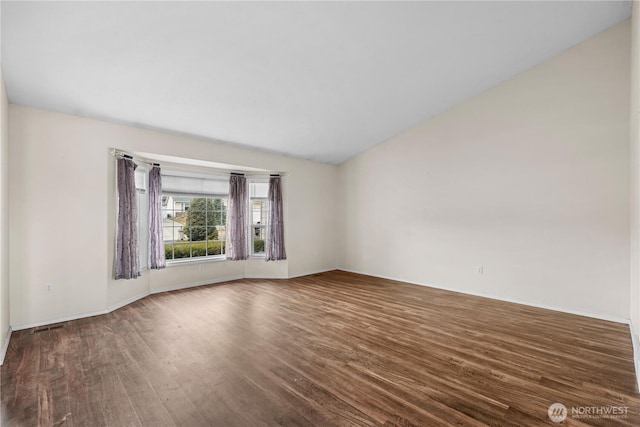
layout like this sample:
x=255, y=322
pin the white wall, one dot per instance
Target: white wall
x=634, y=163
x=4, y=212
x=529, y=180
x=62, y=184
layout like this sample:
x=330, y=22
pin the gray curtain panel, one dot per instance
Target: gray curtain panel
x=156, y=240
x=275, y=230
x=127, y=262
x=237, y=244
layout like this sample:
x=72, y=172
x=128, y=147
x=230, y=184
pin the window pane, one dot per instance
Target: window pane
x=198, y=204
x=199, y=249
x=182, y=250
x=213, y=219
x=212, y=233
x=259, y=212
x=258, y=246
x=219, y=212
x=258, y=237
x=168, y=252
x=222, y=233
x=193, y=226
x=171, y=230
x=215, y=248
x=258, y=226
x=258, y=232
x=196, y=233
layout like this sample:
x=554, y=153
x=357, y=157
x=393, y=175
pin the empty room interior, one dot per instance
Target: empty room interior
x=320, y=213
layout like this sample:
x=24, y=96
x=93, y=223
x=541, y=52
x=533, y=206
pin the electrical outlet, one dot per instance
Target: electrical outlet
x=48, y=287
x=480, y=270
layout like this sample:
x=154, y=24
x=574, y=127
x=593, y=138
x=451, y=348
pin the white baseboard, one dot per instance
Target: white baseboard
x=195, y=284
x=128, y=301
x=636, y=352
x=120, y=304
x=309, y=273
x=5, y=346
x=133, y=299
x=259, y=276
x=499, y=298
x=57, y=320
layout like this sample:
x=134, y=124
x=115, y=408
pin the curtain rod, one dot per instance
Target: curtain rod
x=121, y=154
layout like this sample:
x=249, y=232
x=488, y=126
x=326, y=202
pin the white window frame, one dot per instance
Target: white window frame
x=253, y=226
x=191, y=259
x=250, y=224
x=199, y=191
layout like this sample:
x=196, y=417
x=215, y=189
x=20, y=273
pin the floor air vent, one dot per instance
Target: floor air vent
x=46, y=328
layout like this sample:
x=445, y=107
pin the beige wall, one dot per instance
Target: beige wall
x=634, y=138
x=4, y=212
x=62, y=209
x=529, y=180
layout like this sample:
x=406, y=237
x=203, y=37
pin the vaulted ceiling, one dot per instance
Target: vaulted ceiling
x=316, y=80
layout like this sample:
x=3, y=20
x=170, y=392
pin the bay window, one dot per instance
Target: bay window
x=194, y=215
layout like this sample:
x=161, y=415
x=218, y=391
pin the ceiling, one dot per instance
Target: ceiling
x=316, y=80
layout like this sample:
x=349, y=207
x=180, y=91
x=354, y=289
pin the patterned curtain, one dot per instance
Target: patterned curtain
x=127, y=262
x=237, y=242
x=156, y=239
x=275, y=230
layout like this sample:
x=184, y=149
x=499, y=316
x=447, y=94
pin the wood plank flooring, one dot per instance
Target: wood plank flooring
x=329, y=349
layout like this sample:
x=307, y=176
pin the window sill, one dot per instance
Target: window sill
x=186, y=261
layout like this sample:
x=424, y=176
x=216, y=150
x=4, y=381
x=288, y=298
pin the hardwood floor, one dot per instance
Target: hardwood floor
x=329, y=349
